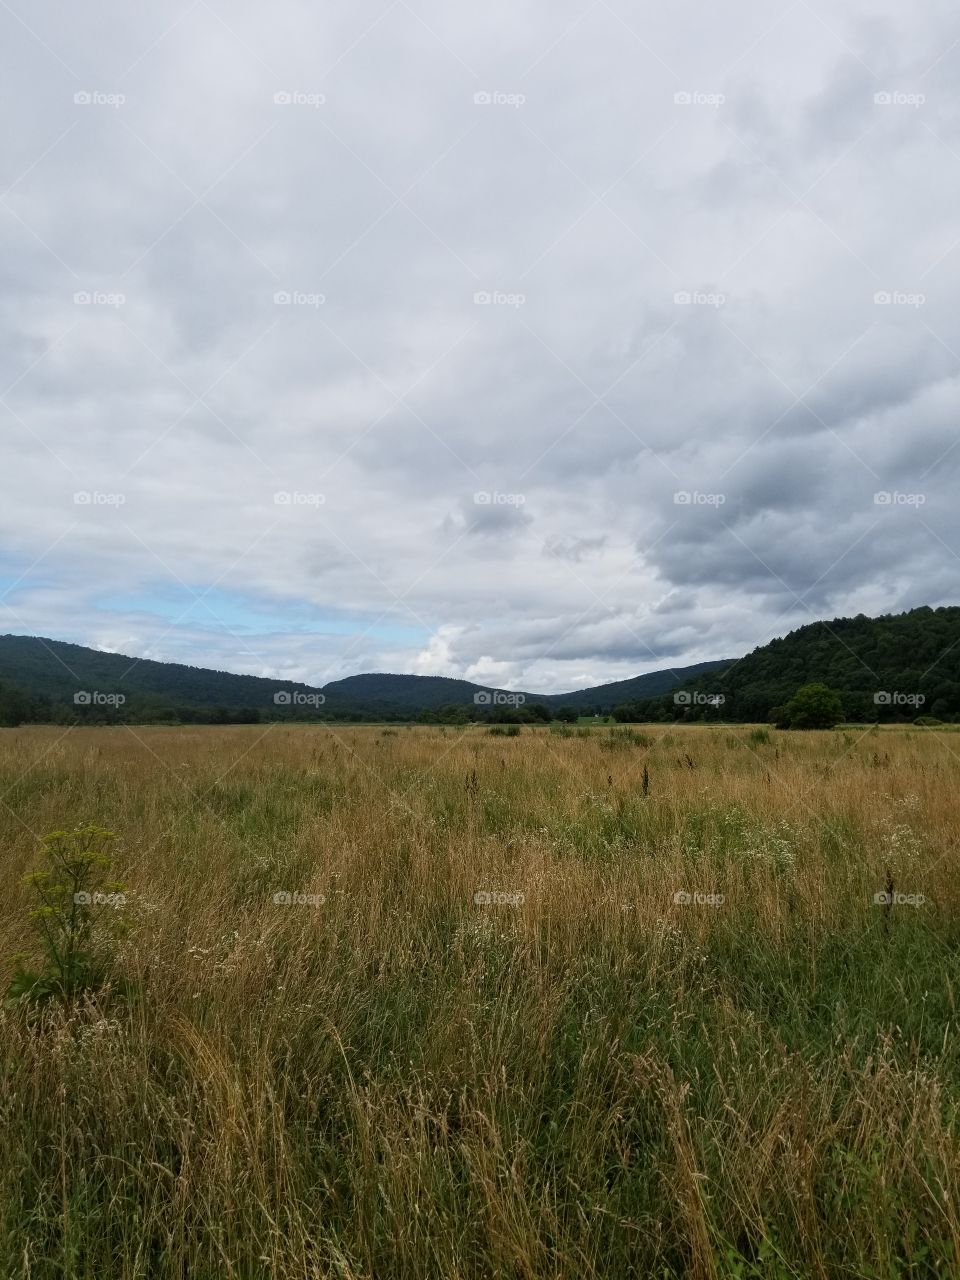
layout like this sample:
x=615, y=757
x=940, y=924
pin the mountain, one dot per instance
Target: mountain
x=653, y=683
x=416, y=693
x=430, y=692
x=47, y=675
x=55, y=669
x=893, y=667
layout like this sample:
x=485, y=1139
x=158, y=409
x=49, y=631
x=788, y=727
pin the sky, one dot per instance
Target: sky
x=541, y=344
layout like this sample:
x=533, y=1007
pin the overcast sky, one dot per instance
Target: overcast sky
x=542, y=344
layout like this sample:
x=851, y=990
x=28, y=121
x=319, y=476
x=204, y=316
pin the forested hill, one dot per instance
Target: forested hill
x=41, y=678
x=897, y=666
x=385, y=692
x=415, y=693
x=606, y=696
x=55, y=669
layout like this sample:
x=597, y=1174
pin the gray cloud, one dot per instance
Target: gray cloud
x=476, y=297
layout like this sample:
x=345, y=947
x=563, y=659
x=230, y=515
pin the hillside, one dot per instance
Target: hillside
x=382, y=691
x=43, y=676
x=909, y=661
x=913, y=657
x=607, y=696
x=55, y=669
x=398, y=692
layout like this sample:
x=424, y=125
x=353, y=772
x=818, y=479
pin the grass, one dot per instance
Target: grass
x=595, y=1081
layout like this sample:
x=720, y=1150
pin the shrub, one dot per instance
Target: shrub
x=75, y=918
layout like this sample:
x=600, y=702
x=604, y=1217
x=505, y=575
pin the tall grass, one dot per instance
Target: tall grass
x=598, y=1080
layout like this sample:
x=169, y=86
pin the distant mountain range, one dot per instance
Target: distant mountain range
x=430, y=692
x=897, y=666
x=56, y=670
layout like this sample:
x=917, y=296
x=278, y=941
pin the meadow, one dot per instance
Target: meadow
x=588, y=1003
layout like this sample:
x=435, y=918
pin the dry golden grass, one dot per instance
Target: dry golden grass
x=598, y=1081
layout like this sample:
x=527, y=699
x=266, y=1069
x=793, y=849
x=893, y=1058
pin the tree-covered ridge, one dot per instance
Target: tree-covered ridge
x=895, y=667
x=411, y=693
x=606, y=696
x=56, y=669
x=40, y=679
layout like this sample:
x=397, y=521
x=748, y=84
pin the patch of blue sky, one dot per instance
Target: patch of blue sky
x=242, y=614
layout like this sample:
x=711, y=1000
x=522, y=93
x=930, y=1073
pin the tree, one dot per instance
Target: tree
x=13, y=706
x=452, y=713
x=568, y=715
x=814, y=706
x=538, y=712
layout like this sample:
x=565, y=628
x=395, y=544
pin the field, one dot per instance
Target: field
x=578, y=1075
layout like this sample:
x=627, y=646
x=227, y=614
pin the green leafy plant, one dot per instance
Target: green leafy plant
x=815, y=706
x=75, y=918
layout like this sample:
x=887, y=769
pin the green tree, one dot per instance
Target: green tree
x=452, y=713
x=537, y=712
x=814, y=706
x=568, y=715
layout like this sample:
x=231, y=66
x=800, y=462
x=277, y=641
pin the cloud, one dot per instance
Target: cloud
x=385, y=259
